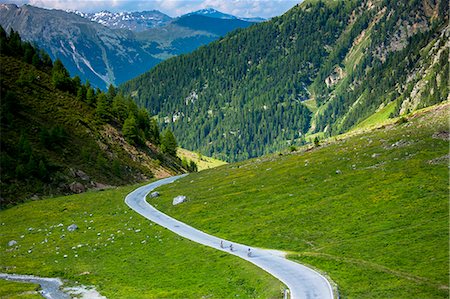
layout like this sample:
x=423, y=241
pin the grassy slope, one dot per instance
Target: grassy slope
x=18, y=290
x=202, y=162
x=378, y=117
x=110, y=252
x=379, y=228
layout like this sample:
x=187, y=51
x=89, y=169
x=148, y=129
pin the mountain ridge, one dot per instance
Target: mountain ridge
x=318, y=70
x=101, y=54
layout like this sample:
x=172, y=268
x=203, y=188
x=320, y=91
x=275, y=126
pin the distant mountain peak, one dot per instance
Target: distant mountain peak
x=134, y=21
x=212, y=13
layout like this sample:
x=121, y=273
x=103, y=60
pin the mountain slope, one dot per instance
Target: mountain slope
x=134, y=21
x=244, y=95
x=217, y=26
x=370, y=208
x=211, y=13
x=53, y=142
x=87, y=49
x=107, y=55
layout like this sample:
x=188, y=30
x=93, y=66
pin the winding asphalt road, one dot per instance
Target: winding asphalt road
x=302, y=282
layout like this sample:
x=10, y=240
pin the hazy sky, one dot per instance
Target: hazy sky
x=241, y=8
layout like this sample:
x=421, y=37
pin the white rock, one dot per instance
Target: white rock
x=154, y=194
x=12, y=243
x=179, y=199
x=72, y=227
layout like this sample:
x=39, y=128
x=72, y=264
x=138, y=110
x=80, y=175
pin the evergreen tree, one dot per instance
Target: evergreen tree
x=90, y=96
x=130, y=129
x=119, y=108
x=102, y=111
x=112, y=92
x=61, y=77
x=169, y=143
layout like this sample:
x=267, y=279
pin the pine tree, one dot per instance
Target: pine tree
x=169, y=143
x=130, y=129
x=61, y=77
x=102, y=111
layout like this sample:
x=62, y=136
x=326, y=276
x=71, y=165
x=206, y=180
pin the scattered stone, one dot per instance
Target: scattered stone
x=338, y=171
x=440, y=160
x=401, y=143
x=30, y=229
x=76, y=187
x=12, y=243
x=444, y=135
x=375, y=155
x=154, y=194
x=60, y=225
x=179, y=199
x=72, y=227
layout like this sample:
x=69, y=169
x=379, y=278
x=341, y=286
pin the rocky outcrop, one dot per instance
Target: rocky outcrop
x=337, y=75
x=77, y=187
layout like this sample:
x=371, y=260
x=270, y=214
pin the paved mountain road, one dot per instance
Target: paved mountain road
x=302, y=282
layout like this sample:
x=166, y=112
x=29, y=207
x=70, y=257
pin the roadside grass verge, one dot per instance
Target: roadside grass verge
x=119, y=252
x=371, y=209
x=19, y=290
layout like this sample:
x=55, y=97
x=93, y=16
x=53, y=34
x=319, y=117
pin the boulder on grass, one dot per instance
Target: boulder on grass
x=179, y=199
x=154, y=194
x=72, y=227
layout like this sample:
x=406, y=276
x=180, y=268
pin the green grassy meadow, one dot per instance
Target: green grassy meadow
x=203, y=162
x=18, y=290
x=370, y=209
x=119, y=252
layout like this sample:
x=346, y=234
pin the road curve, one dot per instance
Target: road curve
x=302, y=281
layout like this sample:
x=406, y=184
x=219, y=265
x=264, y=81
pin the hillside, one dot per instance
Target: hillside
x=119, y=253
x=59, y=136
x=370, y=208
x=323, y=67
x=108, y=48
